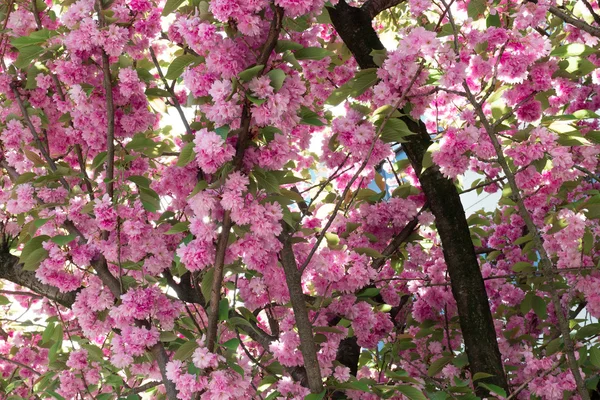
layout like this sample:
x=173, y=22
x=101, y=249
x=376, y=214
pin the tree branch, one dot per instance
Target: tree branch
x=168, y=88
x=546, y=264
x=243, y=138
x=12, y=270
x=45, y=152
x=354, y=27
x=584, y=26
x=20, y=364
x=110, y=111
x=308, y=347
x=375, y=7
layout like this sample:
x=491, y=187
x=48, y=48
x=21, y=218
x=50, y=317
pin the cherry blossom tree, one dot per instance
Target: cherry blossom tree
x=257, y=199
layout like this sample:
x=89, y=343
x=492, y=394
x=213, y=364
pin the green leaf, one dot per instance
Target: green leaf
x=4, y=300
x=232, y=344
x=55, y=395
x=395, y=130
x=438, y=365
x=62, y=240
x=200, y=186
x=315, y=396
x=476, y=8
x=369, y=292
x=149, y=199
x=493, y=389
x=539, y=306
x=411, y=392
x=588, y=330
x=354, y=87
x=595, y=356
x=522, y=266
x=187, y=155
x=36, y=38
x=223, y=131
x=171, y=6
x=223, y=309
x=27, y=55
x=178, y=228
x=481, y=375
x=284, y=45
x=361, y=385
x=186, y=350
x=572, y=50
x=309, y=117
x=156, y=92
x=250, y=73
x=368, y=251
x=94, y=352
x=167, y=336
x=587, y=242
x=493, y=20
x=33, y=253
x=266, y=180
x=527, y=303
x=206, y=285
x=312, y=53
x=139, y=180
x=277, y=77
x=178, y=65
x=99, y=160
x=26, y=177
x=256, y=100
x=585, y=114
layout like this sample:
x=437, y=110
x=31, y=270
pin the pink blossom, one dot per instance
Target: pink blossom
x=211, y=151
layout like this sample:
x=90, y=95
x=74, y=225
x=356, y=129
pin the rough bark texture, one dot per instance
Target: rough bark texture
x=307, y=340
x=12, y=271
x=354, y=27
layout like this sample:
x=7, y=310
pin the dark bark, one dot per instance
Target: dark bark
x=308, y=347
x=354, y=27
x=12, y=271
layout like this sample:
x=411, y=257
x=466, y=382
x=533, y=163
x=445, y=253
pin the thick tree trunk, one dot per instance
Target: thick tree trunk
x=355, y=28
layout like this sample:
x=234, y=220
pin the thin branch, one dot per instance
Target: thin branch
x=398, y=240
x=592, y=11
x=513, y=109
x=110, y=111
x=545, y=263
x=168, y=88
x=20, y=364
x=142, y=388
x=584, y=26
x=518, y=390
x=360, y=169
x=40, y=144
x=12, y=173
x=586, y=171
x=21, y=293
x=483, y=184
x=243, y=138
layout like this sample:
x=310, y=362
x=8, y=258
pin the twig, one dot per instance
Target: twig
x=592, y=11
x=110, y=112
x=545, y=263
x=40, y=145
x=20, y=364
x=522, y=386
x=360, y=169
x=215, y=293
x=142, y=388
x=174, y=99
